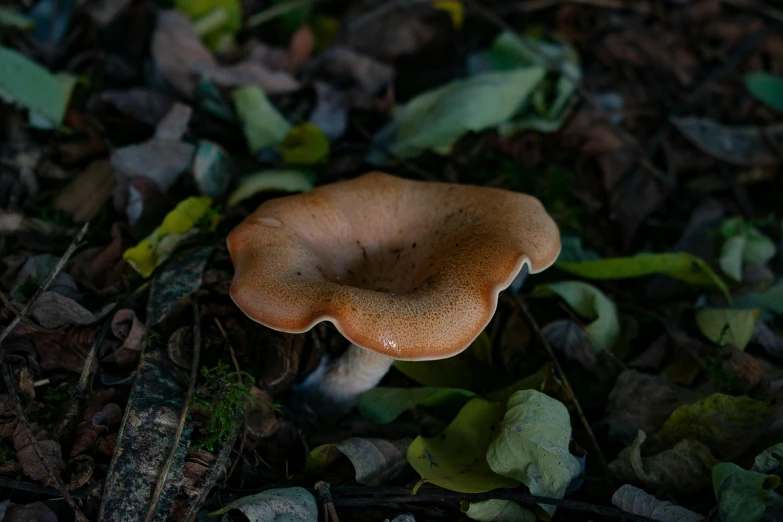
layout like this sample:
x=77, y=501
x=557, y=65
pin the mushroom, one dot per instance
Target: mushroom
x=407, y=270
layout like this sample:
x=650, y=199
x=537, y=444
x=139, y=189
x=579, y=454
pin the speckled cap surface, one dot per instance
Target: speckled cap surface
x=409, y=269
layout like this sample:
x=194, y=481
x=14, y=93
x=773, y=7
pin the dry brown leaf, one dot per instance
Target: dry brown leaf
x=84, y=197
x=28, y=458
x=260, y=418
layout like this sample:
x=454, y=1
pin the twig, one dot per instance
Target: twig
x=599, y=454
x=78, y=390
x=76, y=243
x=164, y=472
x=402, y=495
x=532, y=6
x=324, y=494
x=10, y=382
x=36, y=488
x=14, y=310
x=228, y=342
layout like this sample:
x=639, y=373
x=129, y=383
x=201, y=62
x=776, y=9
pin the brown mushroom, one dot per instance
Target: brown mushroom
x=404, y=269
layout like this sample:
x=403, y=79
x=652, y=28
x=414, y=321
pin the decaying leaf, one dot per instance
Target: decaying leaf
x=744, y=496
x=627, y=414
x=683, y=469
x=457, y=459
x=722, y=422
x=572, y=340
x=742, y=145
x=86, y=195
x=383, y=405
x=532, y=445
x=497, y=511
x=636, y=501
x=727, y=326
x=770, y=460
x=276, y=505
x=28, y=456
x=376, y=461
x=26, y=83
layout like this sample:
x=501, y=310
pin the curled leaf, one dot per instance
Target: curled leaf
x=276, y=505
x=744, y=496
x=636, y=501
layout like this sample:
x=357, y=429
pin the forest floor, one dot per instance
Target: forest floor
x=638, y=378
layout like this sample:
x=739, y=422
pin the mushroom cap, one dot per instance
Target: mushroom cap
x=408, y=269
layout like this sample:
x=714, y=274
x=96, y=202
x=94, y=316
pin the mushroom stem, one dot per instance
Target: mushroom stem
x=334, y=387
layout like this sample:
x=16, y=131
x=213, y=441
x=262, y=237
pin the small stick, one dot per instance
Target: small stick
x=521, y=498
x=228, y=342
x=579, y=411
x=10, y=382
x=325, y=497
x=76, y=243
x=8, y=304
x=164, y=472
x=21, y=485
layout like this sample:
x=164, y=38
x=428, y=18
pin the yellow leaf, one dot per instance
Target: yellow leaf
x=304, y=144
x=455, y=9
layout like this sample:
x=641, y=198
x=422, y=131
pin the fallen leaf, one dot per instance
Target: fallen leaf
x=681, y=265
x=727, y=326
x=382, y=405
x=162, y=161
x=12, y=18
x=377, y=461
x=100, y=269
x=770, y=460
x=53, y=310
x=436, y=119
x=744, y=496
x=626, y=415
x=179, y=278
x=722, y=422
x=592, y=304
x=746, y=368
x=24, y=82
x=127, y=328
x=766, y=88
x=86, y=195
x=339, y=62
x=262, y=124
x=744, y=244
x=212, y=169
x=79, y=471
x=179, y=225
x=770, y=300
x=216, y=22
x=634, y=500
x=304, y=144
x=276, y=505
x=685, y=468
x=271, y=180
x=144, y=105
x=104, y=12
x=29, y=459
x=532, y=445
x=456, y=459
x=452, y=372
x=260, y=417
x=182, y=60
x=35, y=512
x=497, y=511
x=747, y=146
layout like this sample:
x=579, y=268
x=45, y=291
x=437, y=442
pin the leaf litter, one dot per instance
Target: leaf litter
x=652, y=135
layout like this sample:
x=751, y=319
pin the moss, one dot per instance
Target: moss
x=224, y=394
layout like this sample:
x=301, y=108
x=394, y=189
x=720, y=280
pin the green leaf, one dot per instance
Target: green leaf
x=24, y=82
x=744, y=244
x=498, y=511
x=720, y=421
x=534, y=381
x=262, y=124
x=212, y=169
x=744, y=145
x=453, y=372
x=383, y=405
x=271, y=180
x=731, y=254
x=592, y=304
x=743, y=496
x=276, y=505
x=767, y=88
x=436, y=119
x=726, y=325
x=305, y=144
x=12, y=18
x=770, y=459
x=216, y=21
x=681, y=265
x=683, y=469
x=770, y=300
x=532, y=445
x=456, y=459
